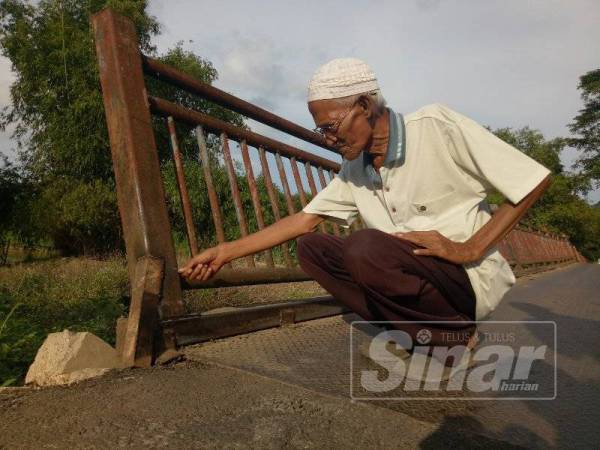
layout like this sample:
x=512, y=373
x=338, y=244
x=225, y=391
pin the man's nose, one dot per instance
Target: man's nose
x=331, y=139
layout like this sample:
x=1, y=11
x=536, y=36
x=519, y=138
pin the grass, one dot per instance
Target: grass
x=85, y=294
x=46, y=297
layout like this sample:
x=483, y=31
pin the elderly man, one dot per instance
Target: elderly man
x=419, y=183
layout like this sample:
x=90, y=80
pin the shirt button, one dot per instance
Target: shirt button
x=422, y=208
x=393, y=209
x=387, y=189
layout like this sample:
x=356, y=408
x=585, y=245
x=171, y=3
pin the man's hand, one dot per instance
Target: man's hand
x=204, y=265
x=439, y=245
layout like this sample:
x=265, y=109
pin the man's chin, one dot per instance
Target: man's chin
x=350, y=154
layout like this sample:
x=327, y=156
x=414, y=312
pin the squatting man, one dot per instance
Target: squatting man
x=419, y=182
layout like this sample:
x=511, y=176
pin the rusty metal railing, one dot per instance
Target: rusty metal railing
x=313, y=166
x=248, y=141
x=156, y=303
x=527, y=250
x=156, y=286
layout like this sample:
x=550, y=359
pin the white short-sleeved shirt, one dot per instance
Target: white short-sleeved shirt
x=449, y=164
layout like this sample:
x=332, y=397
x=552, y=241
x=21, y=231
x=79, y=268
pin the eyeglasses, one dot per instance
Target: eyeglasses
x=332, y=129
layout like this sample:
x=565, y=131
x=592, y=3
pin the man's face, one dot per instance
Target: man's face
x=351, y=128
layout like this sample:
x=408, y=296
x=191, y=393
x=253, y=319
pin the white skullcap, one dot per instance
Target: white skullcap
x=341, y=77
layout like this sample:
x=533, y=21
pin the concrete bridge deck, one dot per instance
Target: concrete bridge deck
x=289, y=388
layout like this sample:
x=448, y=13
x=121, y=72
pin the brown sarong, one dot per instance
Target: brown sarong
x=378, y=276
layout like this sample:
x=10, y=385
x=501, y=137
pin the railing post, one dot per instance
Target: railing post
x=140, y=191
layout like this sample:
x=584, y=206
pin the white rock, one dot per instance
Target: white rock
x=68, y=357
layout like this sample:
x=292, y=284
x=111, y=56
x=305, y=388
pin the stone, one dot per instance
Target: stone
x=69, y=357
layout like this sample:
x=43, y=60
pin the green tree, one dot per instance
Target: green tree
x=58, y=115
x=586, y=125
x=56, y=101
x=11, y=187
x=560, y=209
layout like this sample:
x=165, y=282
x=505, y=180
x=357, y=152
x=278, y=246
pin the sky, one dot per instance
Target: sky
x=504, y=63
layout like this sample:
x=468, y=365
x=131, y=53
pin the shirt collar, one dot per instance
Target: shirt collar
x=395, y=149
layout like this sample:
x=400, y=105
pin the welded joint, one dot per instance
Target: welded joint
x=287, y=317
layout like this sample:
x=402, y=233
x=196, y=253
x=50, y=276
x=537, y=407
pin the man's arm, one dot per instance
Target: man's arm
x=504, y=220
x=207, y=263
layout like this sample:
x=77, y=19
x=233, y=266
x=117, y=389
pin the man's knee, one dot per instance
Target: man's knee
x=366, y=250
x=359, y=245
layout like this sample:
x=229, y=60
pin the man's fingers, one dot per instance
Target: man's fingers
x=411, y=237
x=202, y=258
x=196, y=272
x=207, y=274
x=425, y=252
x=202, y=272
x=188, y=267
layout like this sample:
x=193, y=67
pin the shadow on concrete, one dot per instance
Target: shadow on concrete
x=458, y=432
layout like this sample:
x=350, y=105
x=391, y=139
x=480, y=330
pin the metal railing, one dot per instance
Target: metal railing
x=528, y=250
x=157, y=308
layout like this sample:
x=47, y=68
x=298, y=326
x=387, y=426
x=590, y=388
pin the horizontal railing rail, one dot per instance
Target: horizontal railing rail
x=524, y=248
x=190, y=84
x=166, y=108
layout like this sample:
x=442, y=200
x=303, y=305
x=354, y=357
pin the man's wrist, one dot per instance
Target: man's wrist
x=226, y=251
x=472, y=251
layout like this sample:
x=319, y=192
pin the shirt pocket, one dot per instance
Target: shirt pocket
x=433, y=206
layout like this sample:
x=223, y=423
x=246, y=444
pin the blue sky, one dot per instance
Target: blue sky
x=500, y=62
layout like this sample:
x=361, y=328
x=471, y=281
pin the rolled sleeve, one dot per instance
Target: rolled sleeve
x=495, y=163
x=335, y=201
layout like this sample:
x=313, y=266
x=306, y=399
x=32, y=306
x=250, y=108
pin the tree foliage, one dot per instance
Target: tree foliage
x=560, y=209
x=56, y=101
x=58, y=115
x=586, y=125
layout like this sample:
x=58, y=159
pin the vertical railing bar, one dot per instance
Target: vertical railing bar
x=182, y=188
x=332, y=175
x=255, y=197
x=336, y=228
x=313, y=189
x=511, y=255
x=298, y=180
x=235, y=192
x=139, y=188
x=215, y=208
x=311, y=180
x=285, y=184
x=274, y=199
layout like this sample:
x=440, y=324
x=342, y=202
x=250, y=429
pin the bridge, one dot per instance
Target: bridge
x=281, y=375
x=289, y=388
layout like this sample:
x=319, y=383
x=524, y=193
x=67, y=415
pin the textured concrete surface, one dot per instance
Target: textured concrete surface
x=316, y=355
x=284, y=389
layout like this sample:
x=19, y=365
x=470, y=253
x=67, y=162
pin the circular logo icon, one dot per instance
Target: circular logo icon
x=424, y=336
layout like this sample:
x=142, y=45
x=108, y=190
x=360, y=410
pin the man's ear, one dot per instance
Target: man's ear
x=364, y=102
